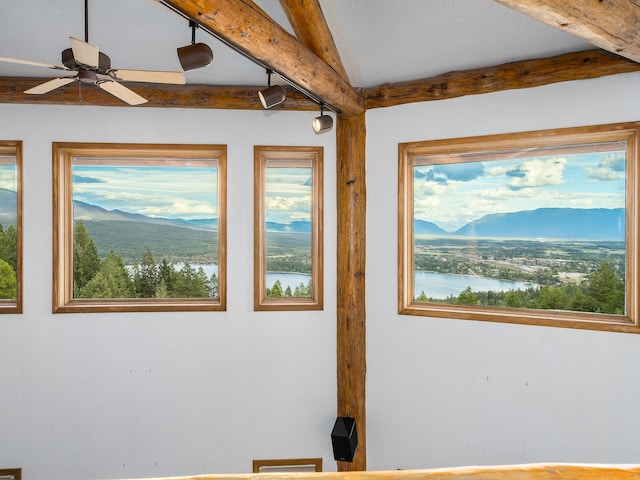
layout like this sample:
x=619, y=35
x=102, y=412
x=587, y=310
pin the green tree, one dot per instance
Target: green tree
x=422, y=297
x=146, y=278
x=86, y=261
x=162, y=291
x=190, y=283
x=214, y=286
x=8, y=282
x=606, y=289
x=276, y=290
x=467, y=297
x=111, y=281
x=513, y=299
x=581, y=302
x=9, y=245
x=167, y=273
x=552, y=298
x=302, y=290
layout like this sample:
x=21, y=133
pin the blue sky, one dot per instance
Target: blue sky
x=186, y=192
x=451, y=195
x=288, y=194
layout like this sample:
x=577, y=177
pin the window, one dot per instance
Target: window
x=537, y=228
x=139, y=227
x=10, y=227
x=288, y=228
x=10, y=473
x=288, y=465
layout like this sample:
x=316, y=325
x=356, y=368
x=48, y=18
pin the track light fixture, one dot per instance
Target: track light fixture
x=272, y=95
x=196, y=55
x=323, y=123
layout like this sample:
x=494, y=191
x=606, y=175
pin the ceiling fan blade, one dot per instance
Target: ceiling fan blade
x=35, y=64
x=176, y=78
x=122, y=92
x=46, y=87
x=85, y=53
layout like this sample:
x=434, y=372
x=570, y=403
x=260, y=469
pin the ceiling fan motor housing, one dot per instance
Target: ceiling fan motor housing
x=69, y=61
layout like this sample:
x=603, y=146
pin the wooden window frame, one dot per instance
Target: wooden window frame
x=14, y=148
x=527, y=142
x=11, y=473
x=288, y=156
x=289, y=465
x=63, y=155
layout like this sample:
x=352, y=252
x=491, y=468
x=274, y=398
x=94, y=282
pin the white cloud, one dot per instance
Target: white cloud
x=615, y=161
x=496, y=171
x=602, y=173
x=8, y=178
x=537, y=172
x=287, y=209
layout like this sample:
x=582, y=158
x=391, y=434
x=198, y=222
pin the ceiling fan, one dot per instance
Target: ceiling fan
x=94, y=67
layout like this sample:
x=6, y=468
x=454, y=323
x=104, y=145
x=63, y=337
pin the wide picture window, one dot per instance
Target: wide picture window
x=139, y=227
x=537, y=228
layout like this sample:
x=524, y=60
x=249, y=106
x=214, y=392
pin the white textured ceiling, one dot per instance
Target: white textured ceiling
x=380, y=41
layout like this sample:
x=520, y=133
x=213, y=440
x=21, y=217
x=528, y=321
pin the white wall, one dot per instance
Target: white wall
x=87, y=396
x=453, y=392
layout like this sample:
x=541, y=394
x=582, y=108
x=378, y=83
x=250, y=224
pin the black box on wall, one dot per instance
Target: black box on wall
x=344, y=439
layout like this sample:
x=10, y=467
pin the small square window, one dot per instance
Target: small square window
x=139, y=227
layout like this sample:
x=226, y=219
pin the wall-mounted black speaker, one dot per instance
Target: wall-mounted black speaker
x=344, y=438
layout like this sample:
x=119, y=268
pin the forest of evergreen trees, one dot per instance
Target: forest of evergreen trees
x=602, y=292
x=300, y=291
x=110, y=278
x=8, y=262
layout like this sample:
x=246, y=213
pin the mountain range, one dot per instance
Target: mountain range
x=565, y=223
x=87, y=212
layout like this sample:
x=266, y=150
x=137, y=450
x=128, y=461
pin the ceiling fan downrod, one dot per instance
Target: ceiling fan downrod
x=86, y=21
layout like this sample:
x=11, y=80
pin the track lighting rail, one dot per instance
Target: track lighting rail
x=287, y=80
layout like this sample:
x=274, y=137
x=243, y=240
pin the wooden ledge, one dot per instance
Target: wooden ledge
x=502, y=472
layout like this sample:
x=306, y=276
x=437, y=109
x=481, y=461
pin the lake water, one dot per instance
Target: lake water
x=441, y=285
x=434, y=285
x=286, y=279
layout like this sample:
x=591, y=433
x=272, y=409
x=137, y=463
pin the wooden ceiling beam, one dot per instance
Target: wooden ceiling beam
x=249, y=30
x=608, y=24
x=515, y=75
x=310, y=26
x=158, y=95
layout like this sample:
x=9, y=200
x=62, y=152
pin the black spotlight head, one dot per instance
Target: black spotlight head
x=196, y=55
x=272, y=96
x=322, y=124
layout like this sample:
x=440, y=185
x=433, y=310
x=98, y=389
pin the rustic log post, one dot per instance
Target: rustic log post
x=351, y=239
